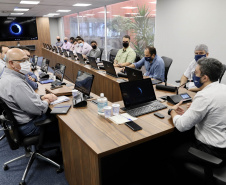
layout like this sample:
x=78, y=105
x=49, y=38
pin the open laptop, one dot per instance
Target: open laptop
x=71, y=54
x=65, y=53
x=109, y=68
x=50, y=47
x=80, y=58
x=133, y=74
x=55, y=49
x=93, y=63
x=60, y=51
x=139, y=97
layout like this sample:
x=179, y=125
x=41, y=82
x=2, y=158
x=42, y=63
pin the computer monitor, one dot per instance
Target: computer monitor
x=84, y=82
x=45, y=65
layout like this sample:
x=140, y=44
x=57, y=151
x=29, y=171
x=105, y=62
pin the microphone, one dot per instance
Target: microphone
x=166, y=88
x=183, y=85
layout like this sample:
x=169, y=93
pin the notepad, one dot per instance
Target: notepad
x=60, y=109
x=122, y=118
x=60, y=99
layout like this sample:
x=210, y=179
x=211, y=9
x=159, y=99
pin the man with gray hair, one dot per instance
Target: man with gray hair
x=201, y=50
x=26, y=106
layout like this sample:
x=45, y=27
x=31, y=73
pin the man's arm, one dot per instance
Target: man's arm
x=131, y=57
x=183, y=80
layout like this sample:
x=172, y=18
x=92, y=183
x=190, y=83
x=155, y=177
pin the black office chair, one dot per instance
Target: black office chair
x=168, y=62
x=1, y=129
x=222, y=74
x=212, y=170
x=113, y=53
x=101, y=52
x=32, y=144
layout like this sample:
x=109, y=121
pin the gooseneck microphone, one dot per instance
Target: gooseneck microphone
x=170, y=88
x=183, y=85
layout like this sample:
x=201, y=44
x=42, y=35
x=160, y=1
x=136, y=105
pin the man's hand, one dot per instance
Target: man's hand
x=49, y=97
x=30, y=78
x=84, y=56
x=116, y=65
x=188, y=105
x=179, y=110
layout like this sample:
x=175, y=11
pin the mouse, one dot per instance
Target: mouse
x=63, y=83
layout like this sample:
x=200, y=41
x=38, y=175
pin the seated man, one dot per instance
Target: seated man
x=84, y=47
x=126, y=55
x=201, y=50
x=3, y=51
x=76, y=47
x=66, y=45
x=95, y=52
x=72, y=40
x=154, y=65
x=59, y=43
x=206, y=113
x=27, y=106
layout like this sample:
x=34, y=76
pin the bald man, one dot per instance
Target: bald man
x=26, y=105
x=66, y=45
x=59, y=43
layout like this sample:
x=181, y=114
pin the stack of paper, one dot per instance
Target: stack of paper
x=60, y=99
x=122, y=118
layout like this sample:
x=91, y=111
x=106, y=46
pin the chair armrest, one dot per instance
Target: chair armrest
x=44, y=122
x=208, y=158
x=177, y=81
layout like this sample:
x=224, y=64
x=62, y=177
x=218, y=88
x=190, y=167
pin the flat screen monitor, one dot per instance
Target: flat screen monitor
x=18, y=28
x=84, y=82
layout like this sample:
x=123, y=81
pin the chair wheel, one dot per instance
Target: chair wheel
x=60, y=170
x=5, y=167
x=22, y=183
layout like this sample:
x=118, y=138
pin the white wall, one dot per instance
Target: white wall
x=182, y=24
x=56, y=29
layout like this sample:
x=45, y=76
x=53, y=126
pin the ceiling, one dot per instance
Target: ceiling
x=51, y=6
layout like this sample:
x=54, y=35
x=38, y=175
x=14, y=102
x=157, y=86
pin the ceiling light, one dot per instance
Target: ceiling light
x=16, y=13
x=81, y=4
x=103, y=12
x=129, y=7
x=90, y=14
x=21, y=9
x=153, y=2
x=63, y=10
x=52, y=14
x=29, y=2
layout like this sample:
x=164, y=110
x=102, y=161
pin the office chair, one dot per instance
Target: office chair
x=1, y=129
x=101, y=52
x=168, y=62
x=212, y=170
x=113, y=53
x=222, y=74
x=32, y=144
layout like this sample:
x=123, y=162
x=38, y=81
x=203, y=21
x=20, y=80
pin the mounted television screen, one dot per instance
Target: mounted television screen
x=18, y=28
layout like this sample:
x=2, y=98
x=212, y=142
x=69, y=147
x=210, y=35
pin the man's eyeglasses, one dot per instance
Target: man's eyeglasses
x=22, y=60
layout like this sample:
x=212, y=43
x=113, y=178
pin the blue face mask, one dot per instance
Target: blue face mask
x=65, y=41
x=149, y=59
x=81, y=44
x=197, y=57
x=197, y=81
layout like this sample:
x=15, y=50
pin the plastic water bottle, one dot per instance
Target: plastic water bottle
x=101, y=103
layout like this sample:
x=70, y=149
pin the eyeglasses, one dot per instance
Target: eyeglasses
x=22, y=60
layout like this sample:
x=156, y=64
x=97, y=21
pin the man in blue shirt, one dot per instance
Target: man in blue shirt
x=154, y=65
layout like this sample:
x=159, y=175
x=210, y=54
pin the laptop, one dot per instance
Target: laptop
x=139, y=97
x=93, y=63
x=80, y=58
x=71, y=54
x=133, y=74
x=60, y=51
x=55, y=49
x=47, y=46
x=50, y=47
x=65, y=53
x=109, y=68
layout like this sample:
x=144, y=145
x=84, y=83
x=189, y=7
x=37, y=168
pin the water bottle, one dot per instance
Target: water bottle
x=101, y=103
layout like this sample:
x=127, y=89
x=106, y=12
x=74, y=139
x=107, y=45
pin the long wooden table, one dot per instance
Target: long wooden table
x=87, y=137
x=102, y=83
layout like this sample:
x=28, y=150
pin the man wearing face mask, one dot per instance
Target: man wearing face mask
x=126, y=55
x=3, y=51
x=206, y=114
x=201, y=50
x=66, y=45
x=95, y=51
x=154, y=65
x=84, y=47
x=59, y=43
x=76, y=46
x=26, y=106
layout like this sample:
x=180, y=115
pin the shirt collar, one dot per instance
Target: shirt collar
x=10, y=71
x=211, y=84
x=124, y=50
x=2, y=61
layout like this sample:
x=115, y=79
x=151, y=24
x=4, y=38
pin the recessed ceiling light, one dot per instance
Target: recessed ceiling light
x=29, y=2
x=53, y=14
x=153, y=2
x=21, y=9
x=16, y=13
x=81, y=4
x=129, y=7
x=63, y=10
x=103, y=12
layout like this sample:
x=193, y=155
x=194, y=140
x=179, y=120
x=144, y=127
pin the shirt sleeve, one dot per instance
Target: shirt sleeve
x=29, y=101
x=140, y=63
x=98, y=53
x=117, y=56
x=193, y=115
x=158, y=71
x=131, y=57
x=188, y=71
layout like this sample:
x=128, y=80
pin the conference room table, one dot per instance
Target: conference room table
x=87, y=137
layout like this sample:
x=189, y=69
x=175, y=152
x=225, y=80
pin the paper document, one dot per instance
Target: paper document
x=122, y=118
x=60, y=99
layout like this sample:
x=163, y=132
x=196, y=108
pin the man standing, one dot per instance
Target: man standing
x=126, y=55
x=59, y=43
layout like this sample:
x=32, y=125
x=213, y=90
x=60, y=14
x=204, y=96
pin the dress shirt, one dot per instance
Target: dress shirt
x=20, y=97
x=85, y=49
x=155, y=69
x=59, y=44
x=33, y=84
x=207, y=114
x=76, y=49
x=189, y=72
x=66, y=46
x=94, y=53
x=125, y=55
x=2, y=66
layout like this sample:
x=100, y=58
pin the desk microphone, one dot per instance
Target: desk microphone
x=183, y=85
x=166, y=88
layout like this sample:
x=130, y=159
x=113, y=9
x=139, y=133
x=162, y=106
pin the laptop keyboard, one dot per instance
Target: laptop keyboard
x=153, y=106
x=56, y=83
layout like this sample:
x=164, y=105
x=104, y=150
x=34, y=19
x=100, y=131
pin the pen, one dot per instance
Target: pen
x=126, y=117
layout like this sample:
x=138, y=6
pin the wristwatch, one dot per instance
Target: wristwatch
x=169, y=111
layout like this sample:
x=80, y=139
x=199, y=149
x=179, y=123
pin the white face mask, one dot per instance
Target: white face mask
x=25, y=67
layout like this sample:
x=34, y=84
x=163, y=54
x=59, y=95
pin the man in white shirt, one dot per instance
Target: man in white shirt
x=201, y=50
x=66, y=45
x=84, y=47
x=3, y=51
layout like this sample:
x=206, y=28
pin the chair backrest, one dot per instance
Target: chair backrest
x=137, y=58
x=222, y=74
x=113, y=53
x=101, y=52
x=9, y=123
x=168, y=61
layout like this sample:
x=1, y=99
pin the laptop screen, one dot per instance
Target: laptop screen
x=84, y=82
x=137, y=92
x=133, y=74
x=59, y=75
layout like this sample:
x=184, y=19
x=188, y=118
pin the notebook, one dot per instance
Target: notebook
x=60, y=109
x=109, y=68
